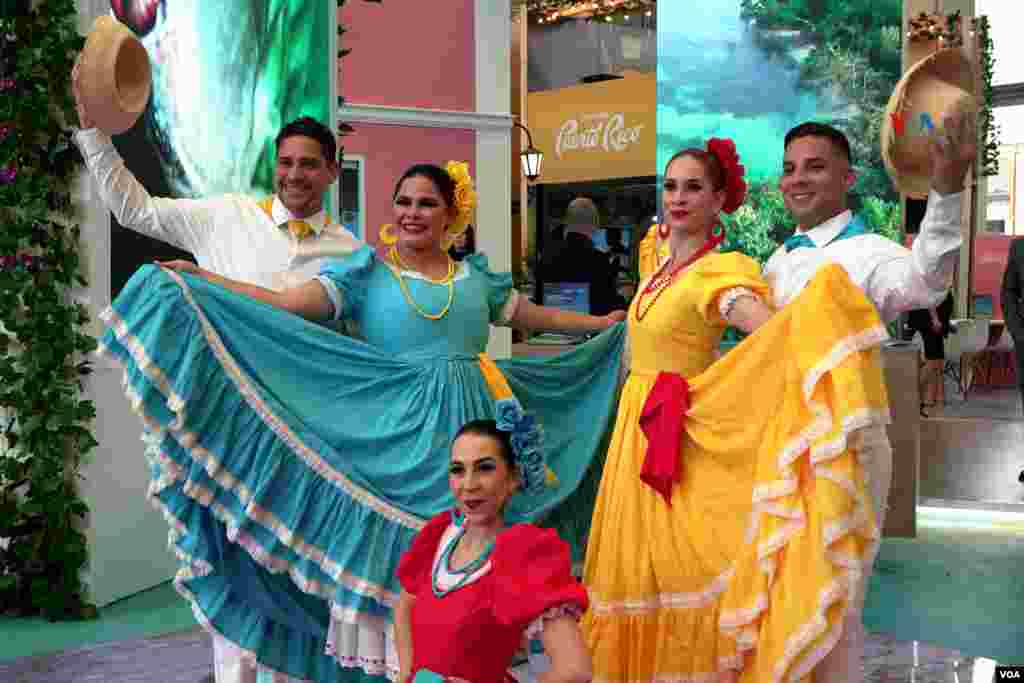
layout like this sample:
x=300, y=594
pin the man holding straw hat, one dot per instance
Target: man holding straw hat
x=274, y=242
x=928, y=142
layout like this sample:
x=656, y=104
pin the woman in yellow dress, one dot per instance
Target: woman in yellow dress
x=732, y=520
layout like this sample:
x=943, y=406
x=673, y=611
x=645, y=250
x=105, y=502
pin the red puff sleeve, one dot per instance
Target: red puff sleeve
x=417, y=562
x=532, y=574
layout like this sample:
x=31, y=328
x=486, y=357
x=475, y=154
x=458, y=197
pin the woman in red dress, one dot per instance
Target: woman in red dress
x=474, y=590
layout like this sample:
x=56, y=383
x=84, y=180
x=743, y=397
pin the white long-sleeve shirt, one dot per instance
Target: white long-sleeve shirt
x=228, y=234
x=895, y=279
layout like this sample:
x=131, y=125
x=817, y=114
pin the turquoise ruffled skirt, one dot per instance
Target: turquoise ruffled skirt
x=294, y=465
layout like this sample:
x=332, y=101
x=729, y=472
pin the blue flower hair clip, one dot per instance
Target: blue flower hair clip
x=526, y=435
x=527, y=445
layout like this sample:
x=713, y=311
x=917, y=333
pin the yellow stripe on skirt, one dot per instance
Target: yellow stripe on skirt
x=500, y=390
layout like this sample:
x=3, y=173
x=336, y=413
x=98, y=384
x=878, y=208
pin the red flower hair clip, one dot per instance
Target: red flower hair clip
x=724, y=150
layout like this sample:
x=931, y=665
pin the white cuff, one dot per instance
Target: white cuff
x=943, y=208
x=92, y=141
x=729, y=297
x=935, y=251
x=333, y=293
x=536, y=627
x=508, y=311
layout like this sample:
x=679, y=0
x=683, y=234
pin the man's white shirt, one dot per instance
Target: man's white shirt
x=895, y=279
x=230, y=234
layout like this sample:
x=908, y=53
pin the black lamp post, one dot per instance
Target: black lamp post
x=531, y=157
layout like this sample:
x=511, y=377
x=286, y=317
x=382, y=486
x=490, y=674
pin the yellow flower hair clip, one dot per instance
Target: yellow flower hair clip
x=388, y=234
x=464, y=205
x=465, y=197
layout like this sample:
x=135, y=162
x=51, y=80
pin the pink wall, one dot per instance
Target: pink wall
x=991, y=251
x=389, y=150
x=990, y=254
x=409, y=53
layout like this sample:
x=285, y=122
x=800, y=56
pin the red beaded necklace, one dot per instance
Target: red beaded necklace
x=660, y=280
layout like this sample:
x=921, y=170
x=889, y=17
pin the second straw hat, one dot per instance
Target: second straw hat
x=115, y=76
x=941, y=81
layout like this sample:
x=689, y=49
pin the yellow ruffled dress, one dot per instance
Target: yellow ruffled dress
x=755, y=560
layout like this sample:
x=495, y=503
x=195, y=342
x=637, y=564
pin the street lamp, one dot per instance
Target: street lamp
x=531, y=157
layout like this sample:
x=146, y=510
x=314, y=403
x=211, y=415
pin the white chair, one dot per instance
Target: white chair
x=1001, y=357
x=968, y=338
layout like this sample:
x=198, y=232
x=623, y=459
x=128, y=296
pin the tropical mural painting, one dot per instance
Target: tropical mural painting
x=752, y=69
x=226, y=76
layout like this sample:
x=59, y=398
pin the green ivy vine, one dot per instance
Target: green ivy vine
x=988, y=132
x=45, y=418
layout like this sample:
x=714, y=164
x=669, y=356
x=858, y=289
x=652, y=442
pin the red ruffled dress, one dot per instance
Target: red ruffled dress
x=473, y=631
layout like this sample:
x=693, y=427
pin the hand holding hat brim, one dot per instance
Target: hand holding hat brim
x=926, y=133
x=112, y=78
x=953, y=149
x=84, y=121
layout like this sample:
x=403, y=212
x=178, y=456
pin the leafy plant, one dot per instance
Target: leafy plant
x=760, y=225
x=554, y=9
x=883, y=217
x=855, y=61
x=863, y=27
x=45, y=430
x=988, y=131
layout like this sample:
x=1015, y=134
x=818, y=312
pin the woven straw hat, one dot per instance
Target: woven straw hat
x=115, y=76
x=939, y=82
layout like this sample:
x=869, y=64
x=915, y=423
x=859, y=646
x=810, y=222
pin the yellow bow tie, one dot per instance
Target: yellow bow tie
x=301, y=229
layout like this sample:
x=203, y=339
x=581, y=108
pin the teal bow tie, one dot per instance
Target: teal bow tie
x=853, y=228
x=798, y=240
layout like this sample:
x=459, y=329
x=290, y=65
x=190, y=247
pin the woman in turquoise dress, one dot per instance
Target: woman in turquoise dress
x=295, y=465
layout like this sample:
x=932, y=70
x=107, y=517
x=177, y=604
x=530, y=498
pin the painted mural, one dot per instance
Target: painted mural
x=226, y=76
x=752, y=69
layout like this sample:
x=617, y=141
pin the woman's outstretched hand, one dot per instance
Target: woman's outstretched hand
x=181, y=266
x=613, y=317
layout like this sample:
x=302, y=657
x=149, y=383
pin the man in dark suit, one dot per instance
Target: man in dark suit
x=1013, y=306
x=575, y=259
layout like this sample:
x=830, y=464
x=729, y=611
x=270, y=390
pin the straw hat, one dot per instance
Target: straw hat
x=115, y=76
x=943, y=80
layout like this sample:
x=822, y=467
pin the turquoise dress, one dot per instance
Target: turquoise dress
x=295, y=465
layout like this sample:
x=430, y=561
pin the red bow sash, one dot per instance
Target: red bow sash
x=662, y=423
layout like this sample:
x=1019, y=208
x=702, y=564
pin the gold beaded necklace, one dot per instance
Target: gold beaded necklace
x=449, y=279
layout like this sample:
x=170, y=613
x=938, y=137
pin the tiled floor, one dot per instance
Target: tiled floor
x=188, y=658
x=981, y=402
x=177, y=658
x=887, y=661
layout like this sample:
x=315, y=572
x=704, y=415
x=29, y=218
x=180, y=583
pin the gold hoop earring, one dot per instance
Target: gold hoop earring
x=388, y=234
